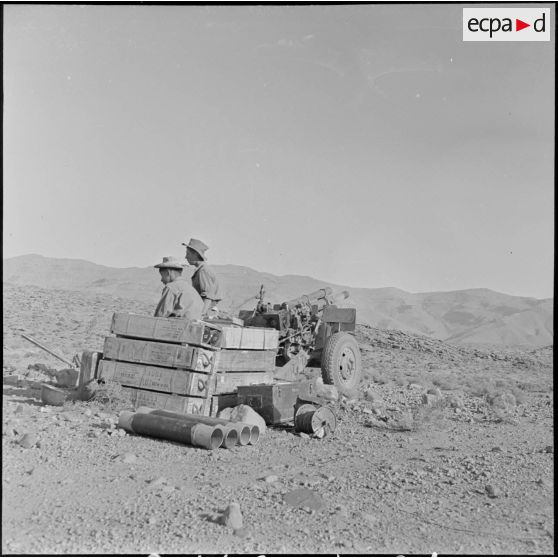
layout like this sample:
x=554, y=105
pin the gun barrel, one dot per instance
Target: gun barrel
x=50, y=351
x=311, y=297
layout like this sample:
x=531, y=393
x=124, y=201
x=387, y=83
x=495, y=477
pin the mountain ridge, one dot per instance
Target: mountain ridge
x=477, y=315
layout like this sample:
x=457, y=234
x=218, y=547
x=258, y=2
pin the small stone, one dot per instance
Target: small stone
x=242, y=532
x=549, y=449
x=303, y=435
x=414, y=385
x=371, y=395
x=232, y=516
x=428, y=399
x=28, y=441
x=128, y=457
x=326, y=391
x=271, y=478
x=435, y=392
x=158, y=481
x=87, y=412
x=19, y=409
x=492, y=491
x=496, y=449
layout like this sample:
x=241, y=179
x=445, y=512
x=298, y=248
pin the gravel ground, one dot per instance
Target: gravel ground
x=443, y=449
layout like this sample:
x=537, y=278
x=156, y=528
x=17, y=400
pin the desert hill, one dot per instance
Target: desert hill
x=460, y=317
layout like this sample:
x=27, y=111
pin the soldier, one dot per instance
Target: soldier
x=178, y=299
x=203, y=279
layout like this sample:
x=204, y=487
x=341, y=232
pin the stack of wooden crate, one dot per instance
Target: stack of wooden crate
x=186, y=366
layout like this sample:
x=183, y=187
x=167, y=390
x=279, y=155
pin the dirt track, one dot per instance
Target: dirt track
x=471, y=473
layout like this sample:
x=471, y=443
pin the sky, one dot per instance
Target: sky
x=366, y=145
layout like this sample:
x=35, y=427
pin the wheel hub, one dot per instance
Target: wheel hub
x=347, y=364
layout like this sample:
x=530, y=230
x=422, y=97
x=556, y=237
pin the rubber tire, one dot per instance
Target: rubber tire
x=336, y=349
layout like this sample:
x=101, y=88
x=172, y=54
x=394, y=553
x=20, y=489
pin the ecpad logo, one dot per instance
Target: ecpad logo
x=506, y=24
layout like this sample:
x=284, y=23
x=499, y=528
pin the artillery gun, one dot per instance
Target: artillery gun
x=313, y=330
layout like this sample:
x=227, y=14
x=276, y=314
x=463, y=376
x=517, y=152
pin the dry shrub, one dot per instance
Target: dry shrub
x=112, y=397
x=502, y=405
x=481, y=388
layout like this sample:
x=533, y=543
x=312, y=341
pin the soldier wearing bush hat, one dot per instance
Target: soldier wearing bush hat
x=204, y=280
x=178, y=299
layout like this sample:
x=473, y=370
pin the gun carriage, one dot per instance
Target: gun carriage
x=313, y=330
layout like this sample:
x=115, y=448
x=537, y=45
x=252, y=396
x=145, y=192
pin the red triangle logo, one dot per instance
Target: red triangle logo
x=519, y=25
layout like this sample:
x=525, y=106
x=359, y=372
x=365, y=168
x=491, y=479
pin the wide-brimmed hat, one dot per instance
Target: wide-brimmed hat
x=198, y=246
x=170, y=262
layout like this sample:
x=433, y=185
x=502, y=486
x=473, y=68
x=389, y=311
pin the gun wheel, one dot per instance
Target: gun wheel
x=341, y=362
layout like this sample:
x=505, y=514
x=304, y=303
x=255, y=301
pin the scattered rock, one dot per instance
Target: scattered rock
x=429, y=399
x=158, y=481
x=19, y=409
x=242, y=532
x=503, y=400
x=434, y=391
x=546, y=483
x=28, y=441
x=414, y=385
x=492, y=491
x=303, y=497
x=371, y=395
x=549, y=449
x=126, y=457
x=271, y=478
x=244, y=413
x=496, y=449
x=12, y=380
x=455, y=403
x=232, y=516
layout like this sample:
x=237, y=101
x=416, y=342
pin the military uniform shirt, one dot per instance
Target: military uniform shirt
x=179, y=300
x=206, y=284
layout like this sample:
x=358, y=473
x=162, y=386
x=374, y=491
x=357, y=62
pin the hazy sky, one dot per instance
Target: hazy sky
x=363, y=145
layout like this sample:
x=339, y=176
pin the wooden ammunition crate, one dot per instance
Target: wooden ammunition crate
x=159, y=354
x=230, y=360
x=222, y=401
x=275, y=403
x=171, y=330
x=228, y=382
x=180, y=382
x=169, y=402
x=255, y=338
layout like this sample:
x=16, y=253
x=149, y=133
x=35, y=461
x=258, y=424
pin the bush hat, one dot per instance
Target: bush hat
x=198, y=246
x=170, y=262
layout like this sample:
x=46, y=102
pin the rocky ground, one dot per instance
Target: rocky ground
x=443, y=449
